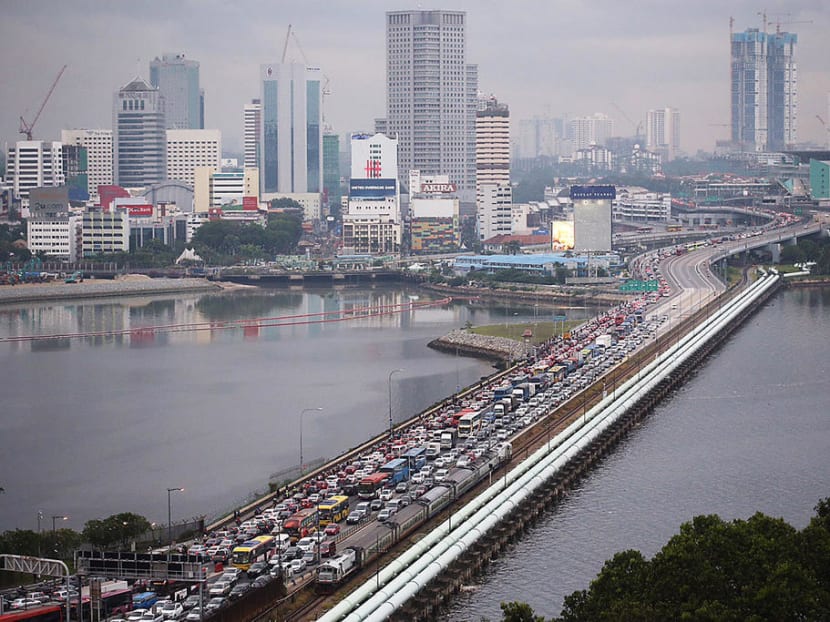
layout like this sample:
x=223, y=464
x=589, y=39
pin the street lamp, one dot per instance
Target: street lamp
x=170, y=517
x=56, y=517
x=305, y=410
x=389, y=383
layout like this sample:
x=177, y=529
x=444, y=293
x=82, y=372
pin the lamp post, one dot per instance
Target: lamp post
x=56, y=517
x=389, y=383
x=304, y=411
x=39, y=518
x=170, y=517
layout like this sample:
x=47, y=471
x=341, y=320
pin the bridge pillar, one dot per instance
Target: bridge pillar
x=775, y=250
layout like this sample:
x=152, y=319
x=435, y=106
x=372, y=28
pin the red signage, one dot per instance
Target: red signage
x=438, y=188
x=140, y=210
x=214, y=213
x=250, y=203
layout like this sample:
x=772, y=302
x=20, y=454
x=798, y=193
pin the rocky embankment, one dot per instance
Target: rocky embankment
x=481, y=346
x=99, y=288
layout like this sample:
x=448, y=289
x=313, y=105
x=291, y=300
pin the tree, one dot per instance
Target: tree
x=519, y=612
x=115, y=530
x=756, y=569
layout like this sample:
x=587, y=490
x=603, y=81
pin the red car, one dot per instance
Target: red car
x=332, y=529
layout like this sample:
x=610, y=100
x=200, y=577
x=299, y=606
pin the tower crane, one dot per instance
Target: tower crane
x=637, y=126
x=27, y=128
x=324, y=90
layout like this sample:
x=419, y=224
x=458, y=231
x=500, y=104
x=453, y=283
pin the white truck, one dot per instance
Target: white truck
x=433, y=450
x=449, y=438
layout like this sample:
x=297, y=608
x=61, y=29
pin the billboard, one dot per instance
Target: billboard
x=140, y=210
x=250, y=203
x=593, y=193
x=372, y=188
x=438, y=188
x=48, y=201
x=592, y=225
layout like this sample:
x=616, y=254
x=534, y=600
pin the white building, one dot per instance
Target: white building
x=190, y=149
x=98, y=145
x=639, y=205
x=493, y=210
x=291, y=134
x=431, y=95
x=31, y=164
x=105, y=232
x=139, y=140
x=592, y=218
x=589, y=130
x=663, y=132
x=492, y=144
x=217, y=187
x=58, y=238
x=252, y=127
x=311, y=202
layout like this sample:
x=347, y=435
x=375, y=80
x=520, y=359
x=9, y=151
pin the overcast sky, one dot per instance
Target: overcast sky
x=541, y=57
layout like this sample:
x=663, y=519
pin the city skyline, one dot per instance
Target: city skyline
x=619, y=60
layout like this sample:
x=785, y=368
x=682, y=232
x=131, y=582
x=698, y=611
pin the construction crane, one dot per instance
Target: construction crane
x=324, y=91
x=637, y=126
x=27, y=128
x=826, y=130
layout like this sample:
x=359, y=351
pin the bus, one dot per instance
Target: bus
x=251, y=550
x=369, y=487
x=417, y=457
x=334, y=509
x=398, y=470
x=301, y=524
x=470, y=424
x=51, y=613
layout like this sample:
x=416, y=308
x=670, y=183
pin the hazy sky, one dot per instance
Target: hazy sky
x=541, y=57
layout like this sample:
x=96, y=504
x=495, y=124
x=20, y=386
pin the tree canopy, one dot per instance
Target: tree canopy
x=223, y=241
x=756, y=569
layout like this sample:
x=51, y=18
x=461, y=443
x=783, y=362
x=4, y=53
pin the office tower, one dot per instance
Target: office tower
x=592, y=218
x=291, y=137
x=431, y=95
x=98, y=145
x=253, y=127
x=493, y=143
x=372, y=222
x=663, y=132
x=188, y=149
x=764, y=90
x=331, y=172
x=178, y=82
x=31, y=164
x=139, y=138
x=494, y=206
x=589, y=130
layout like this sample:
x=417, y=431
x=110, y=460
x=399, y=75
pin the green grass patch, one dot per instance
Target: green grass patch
x=542, y=331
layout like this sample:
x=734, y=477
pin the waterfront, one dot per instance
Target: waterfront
x=748, y=432
x=106, y=422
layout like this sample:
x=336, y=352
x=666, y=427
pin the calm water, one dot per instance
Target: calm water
x=104, y=424
x=749, y=432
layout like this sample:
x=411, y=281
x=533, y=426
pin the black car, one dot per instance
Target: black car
x=256, y=569
x=190, y=602
x=376, y=505
x=261, y=581
x=292, y=552
x=239, y=590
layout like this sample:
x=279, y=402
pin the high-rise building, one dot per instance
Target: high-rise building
x=590, y=130
x=34, y=163
x=492, y=143
x=663, y=132
x=98, y=145
x=538, y=137
x=253, y=127
x=178, y=81
x=139, y=140
x=372, y=222
x=291, y=138
x=331, y=171
x=189, y=149
x=494, y=205
x=764, y=90
x=431, y=95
